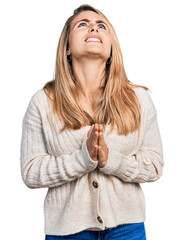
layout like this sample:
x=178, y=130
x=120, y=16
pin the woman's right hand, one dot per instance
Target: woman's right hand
x=92, y=142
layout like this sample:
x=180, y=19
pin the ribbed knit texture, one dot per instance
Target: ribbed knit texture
x=61, y=163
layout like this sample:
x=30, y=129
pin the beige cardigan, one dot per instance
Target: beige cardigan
x=80, y=194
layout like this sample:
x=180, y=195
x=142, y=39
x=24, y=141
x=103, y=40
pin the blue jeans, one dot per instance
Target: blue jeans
x=133, y=231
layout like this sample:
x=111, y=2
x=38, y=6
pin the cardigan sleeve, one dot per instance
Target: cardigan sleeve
x=40, y=169
x=146, y=165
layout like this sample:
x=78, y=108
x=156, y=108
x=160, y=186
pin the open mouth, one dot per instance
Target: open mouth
x=93, y=40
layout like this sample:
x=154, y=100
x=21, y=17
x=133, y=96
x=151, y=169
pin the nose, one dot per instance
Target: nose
x=93, y=28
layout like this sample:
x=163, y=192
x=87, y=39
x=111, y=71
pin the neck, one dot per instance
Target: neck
x=90, y=74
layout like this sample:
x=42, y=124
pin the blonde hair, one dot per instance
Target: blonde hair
x=115, y=103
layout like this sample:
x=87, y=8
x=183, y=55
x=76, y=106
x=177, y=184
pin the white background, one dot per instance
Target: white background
x=151, y=37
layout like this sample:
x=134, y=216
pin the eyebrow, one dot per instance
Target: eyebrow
x=87, y=20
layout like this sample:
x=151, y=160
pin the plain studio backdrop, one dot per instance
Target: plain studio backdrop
x=151, y=37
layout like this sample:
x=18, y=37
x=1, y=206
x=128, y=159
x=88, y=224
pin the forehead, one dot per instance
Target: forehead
x=92, y=16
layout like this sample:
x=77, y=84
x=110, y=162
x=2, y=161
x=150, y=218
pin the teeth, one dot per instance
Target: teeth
x=93, y=39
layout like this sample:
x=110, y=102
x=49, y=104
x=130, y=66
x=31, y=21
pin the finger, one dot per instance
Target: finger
x=95, y=134
x=100, y=139
x=92, y=135
x=99, y=155
x=96, y=126
x=96, y=137
x=90, y=130
x=96, y=152
x=100, y=128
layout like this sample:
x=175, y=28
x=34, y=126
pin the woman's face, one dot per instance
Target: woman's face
x=89, y=37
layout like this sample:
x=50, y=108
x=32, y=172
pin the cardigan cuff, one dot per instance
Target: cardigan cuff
x=113, y=164
x=122, y=166
x=90, y=164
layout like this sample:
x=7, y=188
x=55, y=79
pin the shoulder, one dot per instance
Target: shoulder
x=145, y=101
x=36, y=105
x=39, y=101
x=37, y=96
x=141, y=93
x=38, y=108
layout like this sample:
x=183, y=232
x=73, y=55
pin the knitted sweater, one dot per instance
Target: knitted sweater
x=80, y=194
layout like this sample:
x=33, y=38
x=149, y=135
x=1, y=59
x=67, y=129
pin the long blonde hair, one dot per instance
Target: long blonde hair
x=115, y=103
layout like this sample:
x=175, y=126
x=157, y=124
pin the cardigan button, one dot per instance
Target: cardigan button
x=99, y=219
x=95, y=184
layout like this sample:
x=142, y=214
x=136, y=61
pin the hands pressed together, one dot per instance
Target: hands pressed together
x=96, y=145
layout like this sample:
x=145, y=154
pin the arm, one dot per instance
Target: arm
x=147, y=164
x=40, y=169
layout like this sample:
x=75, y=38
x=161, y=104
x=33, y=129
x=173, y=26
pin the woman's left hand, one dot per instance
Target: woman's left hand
x=102, y=154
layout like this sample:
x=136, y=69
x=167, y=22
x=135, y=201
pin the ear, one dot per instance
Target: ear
x=68, y=52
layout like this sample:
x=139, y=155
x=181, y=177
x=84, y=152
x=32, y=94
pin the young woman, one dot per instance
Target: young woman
x=91, y=137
